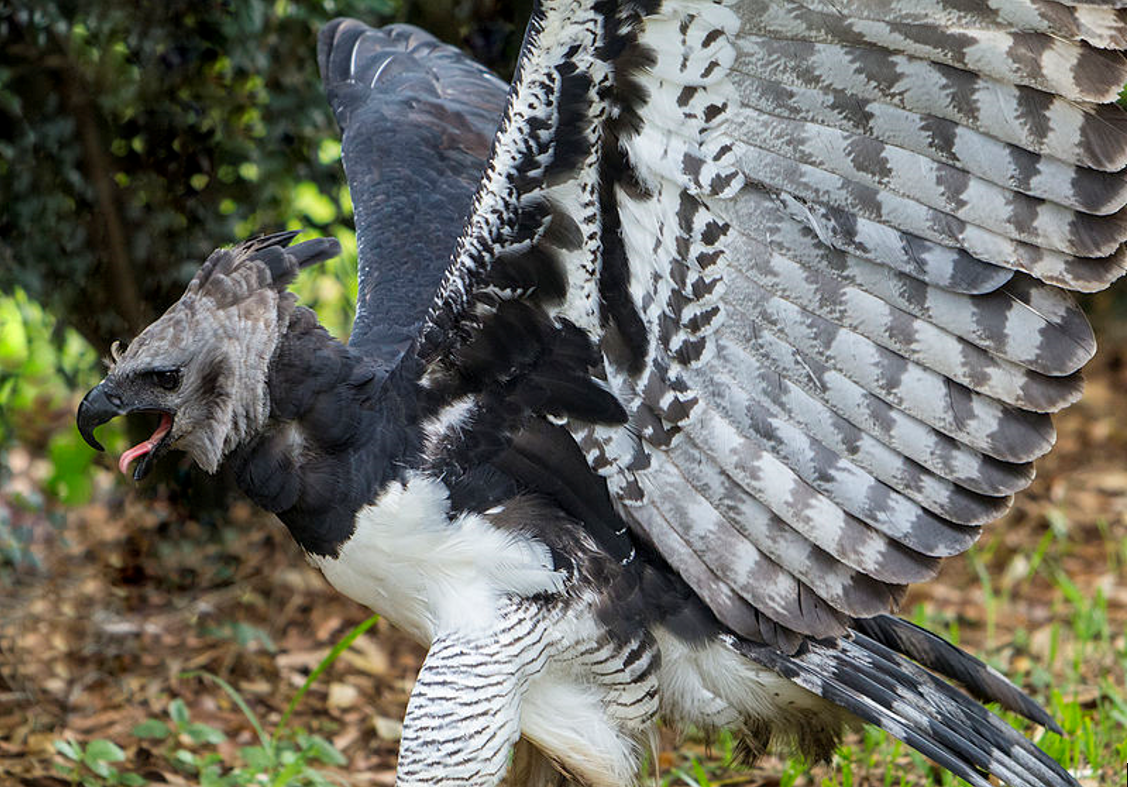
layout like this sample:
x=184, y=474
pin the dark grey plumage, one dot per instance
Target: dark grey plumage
x=417, y=119
x=743, y=320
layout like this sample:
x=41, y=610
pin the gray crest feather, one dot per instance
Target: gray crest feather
x=221, y=336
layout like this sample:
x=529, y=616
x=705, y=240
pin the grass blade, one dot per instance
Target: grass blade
x=237, y=698
x=337, y=650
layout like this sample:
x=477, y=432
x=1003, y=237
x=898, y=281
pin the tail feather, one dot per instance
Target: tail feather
x=929, y=650
x=884, y=688
x=816, y=680
x=972, y=717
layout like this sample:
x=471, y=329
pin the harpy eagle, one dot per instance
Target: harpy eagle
x=675, y=361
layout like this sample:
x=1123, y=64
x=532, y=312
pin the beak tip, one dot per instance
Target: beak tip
x=93, y=411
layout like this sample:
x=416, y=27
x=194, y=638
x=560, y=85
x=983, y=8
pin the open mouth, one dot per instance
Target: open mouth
x=101, y=405
x=147, y=450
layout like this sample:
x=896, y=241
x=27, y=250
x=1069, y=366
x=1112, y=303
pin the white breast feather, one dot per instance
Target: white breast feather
x=428, y=573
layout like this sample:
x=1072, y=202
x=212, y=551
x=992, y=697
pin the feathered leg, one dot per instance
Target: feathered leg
x=464, y=715
x=531, y=768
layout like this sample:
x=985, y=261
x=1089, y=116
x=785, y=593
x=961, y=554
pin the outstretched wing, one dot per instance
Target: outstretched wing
x=417, y=118
x=793, y=275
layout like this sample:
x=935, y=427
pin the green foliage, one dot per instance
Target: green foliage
x=190, y=747
x=158, y=131
x=330, y=288
x=40, y=360
x=41, y=364
x=286, y=757
x=90, y=765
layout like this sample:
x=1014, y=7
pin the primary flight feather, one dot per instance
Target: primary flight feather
x=675, y=362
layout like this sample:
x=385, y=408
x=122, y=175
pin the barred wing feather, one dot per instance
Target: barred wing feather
x=794, y=275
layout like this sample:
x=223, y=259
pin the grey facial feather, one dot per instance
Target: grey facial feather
x=221, y=335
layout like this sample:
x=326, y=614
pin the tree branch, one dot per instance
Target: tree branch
x=124, y=294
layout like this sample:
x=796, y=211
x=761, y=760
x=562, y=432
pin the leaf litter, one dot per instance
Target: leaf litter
x=128, y=595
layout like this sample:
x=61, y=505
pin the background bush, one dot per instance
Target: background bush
x=136, y=137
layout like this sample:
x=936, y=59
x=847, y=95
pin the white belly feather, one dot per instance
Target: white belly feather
x=428, y=572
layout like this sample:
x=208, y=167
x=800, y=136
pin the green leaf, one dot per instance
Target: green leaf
x=72, y=750
x=184, y=758
x=214, y=777
x=71, y=459
x=152, y=729
x=256, y=757
x=133, y=780
x=316, y=779
x=103, y=769
x=202, y=733
x=210, y=760
x=13, y=336
x=295, y=764
x=309, y=200
x=699, y=772
x=329, y=150
x=102, y=750
x=178, y=712
x=320, y=749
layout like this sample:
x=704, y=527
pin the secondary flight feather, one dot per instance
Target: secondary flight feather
x=675, y=362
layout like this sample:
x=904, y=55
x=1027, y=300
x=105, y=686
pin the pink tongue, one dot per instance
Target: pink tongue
x=145, y=447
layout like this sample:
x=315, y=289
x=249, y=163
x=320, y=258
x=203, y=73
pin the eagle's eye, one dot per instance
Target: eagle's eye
x=169, y=379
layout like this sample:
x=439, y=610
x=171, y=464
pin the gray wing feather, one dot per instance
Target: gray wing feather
x=889, y=340
x=821, y=253
x=417, y=119
x=1019, y=55
x=1098, y=23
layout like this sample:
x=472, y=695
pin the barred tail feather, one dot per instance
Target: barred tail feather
x=887, y=689
x=939, y=655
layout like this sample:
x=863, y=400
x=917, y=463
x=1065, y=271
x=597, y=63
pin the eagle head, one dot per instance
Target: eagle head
x=202, y=366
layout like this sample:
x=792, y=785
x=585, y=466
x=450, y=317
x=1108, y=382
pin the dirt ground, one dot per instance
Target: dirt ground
x=128, y=597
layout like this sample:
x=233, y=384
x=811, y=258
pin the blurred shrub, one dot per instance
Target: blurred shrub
x=137, y=137
x=41, y=364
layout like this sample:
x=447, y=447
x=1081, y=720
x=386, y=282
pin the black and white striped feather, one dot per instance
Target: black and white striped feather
x=814, y=265
x=795, y=277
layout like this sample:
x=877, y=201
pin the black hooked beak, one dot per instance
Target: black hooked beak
x=97, y=407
